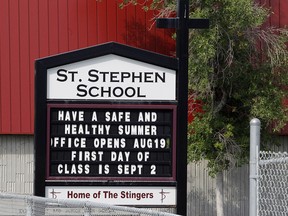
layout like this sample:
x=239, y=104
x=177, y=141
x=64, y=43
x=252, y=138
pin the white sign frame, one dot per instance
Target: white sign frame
x=164, y=94
x=116, y=195
x=111, y=77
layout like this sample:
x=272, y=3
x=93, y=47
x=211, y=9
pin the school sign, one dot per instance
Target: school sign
x=105, y=126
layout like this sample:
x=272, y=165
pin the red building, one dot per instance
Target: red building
x=32, y=29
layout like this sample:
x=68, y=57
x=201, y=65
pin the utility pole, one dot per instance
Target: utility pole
x=182, y=23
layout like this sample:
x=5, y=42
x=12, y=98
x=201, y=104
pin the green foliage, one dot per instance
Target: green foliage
x=238, y=70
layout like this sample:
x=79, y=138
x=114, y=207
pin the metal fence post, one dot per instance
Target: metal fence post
x=254, y=154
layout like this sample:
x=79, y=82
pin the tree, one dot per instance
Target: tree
x=237, y=71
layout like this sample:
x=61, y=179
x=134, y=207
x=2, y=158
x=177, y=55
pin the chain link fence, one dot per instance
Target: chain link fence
x=21, y=205
x=268, y=178
x=273, y=184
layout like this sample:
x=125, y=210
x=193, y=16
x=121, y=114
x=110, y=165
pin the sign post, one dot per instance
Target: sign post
x=182, y=23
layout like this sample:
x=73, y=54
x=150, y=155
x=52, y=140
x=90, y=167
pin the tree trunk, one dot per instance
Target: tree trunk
x=219, y=194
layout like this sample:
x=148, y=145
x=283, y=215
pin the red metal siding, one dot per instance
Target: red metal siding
x=5, y=78
x=37, y=28
x=25, y=66
x=32, y=29
x=279, y=17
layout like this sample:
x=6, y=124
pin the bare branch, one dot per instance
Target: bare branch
x=271, y=42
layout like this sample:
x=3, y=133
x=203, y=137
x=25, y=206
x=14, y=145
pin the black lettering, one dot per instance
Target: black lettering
x=136, y=77
x=72, y=75
x=139, y=93
x=91, y=93
x=108, y=92
x=125, y=75
x=61, y=73
x=114, y=76
x=93, y=75
x=132, y=92
x=159, y=77
x=104, y=73
x=81, y=90
x=120, y=90
x=148, y=77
